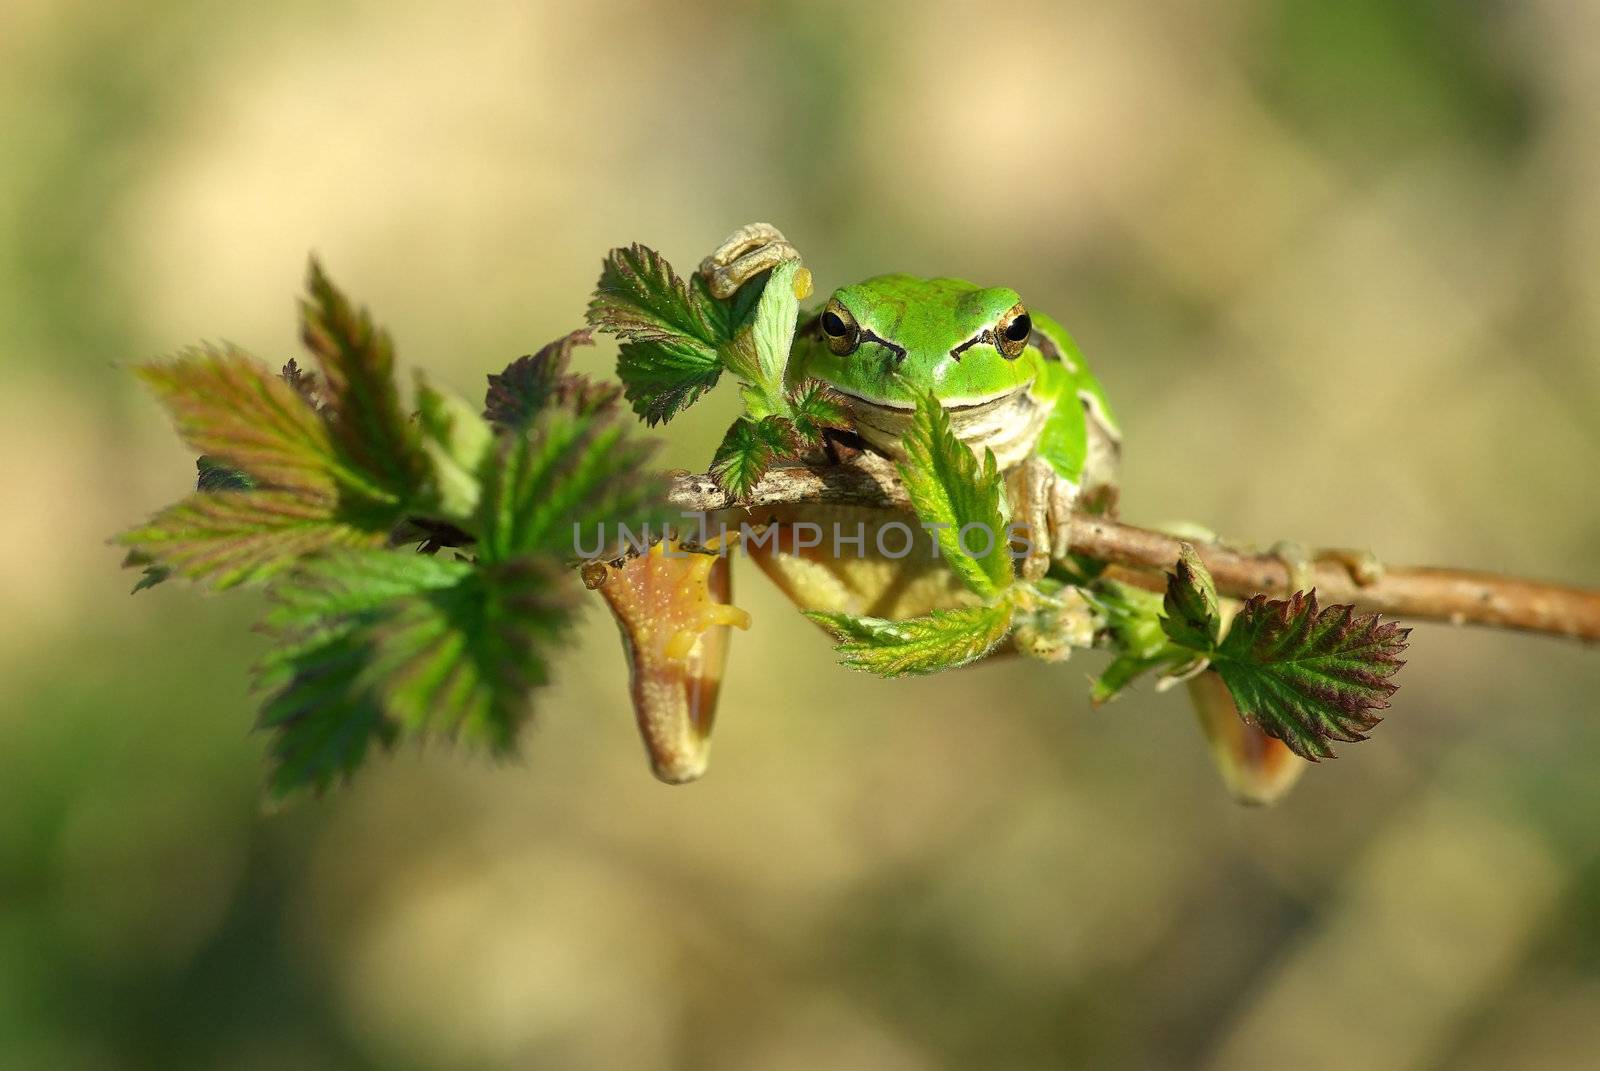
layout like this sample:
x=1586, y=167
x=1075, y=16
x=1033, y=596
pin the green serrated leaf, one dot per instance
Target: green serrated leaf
x=375, y=437
x=816, y=407
x=661, y=379
x=235, y=537
x=331, y=594
x=567, y=475
x=456, y=441
x=748, y=450
x=772, y=328
x=951, y=490
x=323, y=717
x=151, y=576
x=517, y=395
x=464, y=661
x=378, y=643
x=210, y=475
x=1193, y=616
x=942, y=639
x=670, y=330
x=640, y=298
x=242, y=418
x=1307, y=675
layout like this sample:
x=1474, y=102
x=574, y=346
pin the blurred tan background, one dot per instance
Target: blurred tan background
x=1335, y=264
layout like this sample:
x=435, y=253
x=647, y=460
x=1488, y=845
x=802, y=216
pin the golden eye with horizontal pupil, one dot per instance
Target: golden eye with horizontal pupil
x=1012, y=331
x=840, y=329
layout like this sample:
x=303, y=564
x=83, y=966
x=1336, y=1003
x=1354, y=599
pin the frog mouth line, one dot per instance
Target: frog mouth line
x=910, y=407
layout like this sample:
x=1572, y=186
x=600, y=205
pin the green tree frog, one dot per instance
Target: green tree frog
x=1012, y=381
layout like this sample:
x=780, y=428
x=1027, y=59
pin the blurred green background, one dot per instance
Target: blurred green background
x=1335, y=264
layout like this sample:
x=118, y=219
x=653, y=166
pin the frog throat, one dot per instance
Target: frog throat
x=1009, y=423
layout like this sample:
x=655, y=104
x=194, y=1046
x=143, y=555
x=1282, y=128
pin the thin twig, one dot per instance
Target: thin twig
x=1457, y=596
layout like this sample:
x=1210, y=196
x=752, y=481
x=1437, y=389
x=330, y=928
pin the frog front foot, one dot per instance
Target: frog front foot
x=1362, y=565
x=745, y=254
x=1296, y=558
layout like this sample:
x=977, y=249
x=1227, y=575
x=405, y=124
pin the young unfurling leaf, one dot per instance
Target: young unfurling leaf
x=1193, y=617
x=1136, y=626
x=759, y=353
x=942, y=639
x=1119, y=673
x=951, y=490
x=777, y=423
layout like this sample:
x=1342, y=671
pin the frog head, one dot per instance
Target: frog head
x=883, y=343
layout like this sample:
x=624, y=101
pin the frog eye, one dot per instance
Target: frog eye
x=840, y=329
x=1012, y=330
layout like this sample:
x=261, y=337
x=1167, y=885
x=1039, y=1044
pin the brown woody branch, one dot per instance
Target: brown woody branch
x=1141, y=556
